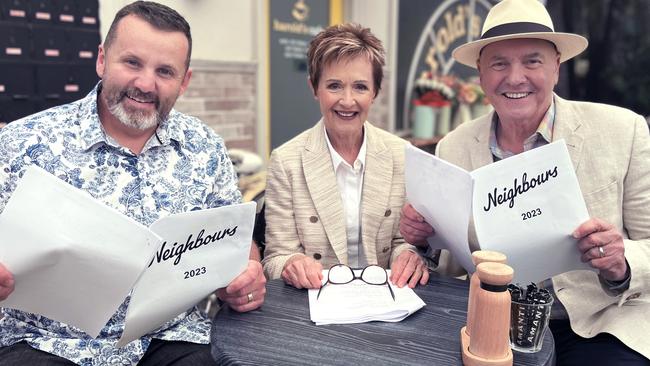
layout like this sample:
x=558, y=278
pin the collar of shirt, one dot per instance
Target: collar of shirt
x=337, y=160
x=93, y=132
x=544, y=130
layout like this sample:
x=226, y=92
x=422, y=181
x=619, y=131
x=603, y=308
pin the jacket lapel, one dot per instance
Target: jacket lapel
x=567, y=126
x=479, y=151
x=377, y=182
x=321, y=183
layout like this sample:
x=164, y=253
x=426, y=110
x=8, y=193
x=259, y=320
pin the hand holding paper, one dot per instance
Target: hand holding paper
x=413, y=227
x=85, y=258
x=601, y=244
x=525, y=206
x=252, y=282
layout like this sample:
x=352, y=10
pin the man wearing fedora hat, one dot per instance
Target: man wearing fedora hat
x=601, y=317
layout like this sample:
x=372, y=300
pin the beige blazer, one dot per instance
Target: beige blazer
x=610, y=151
x=304, y=211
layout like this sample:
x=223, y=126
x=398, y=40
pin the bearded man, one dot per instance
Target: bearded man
x=127, y=147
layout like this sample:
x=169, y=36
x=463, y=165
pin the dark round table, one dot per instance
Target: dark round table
x=281, y=333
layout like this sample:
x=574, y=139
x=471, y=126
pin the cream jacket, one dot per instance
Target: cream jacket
x=610, y=151
x=304, y=212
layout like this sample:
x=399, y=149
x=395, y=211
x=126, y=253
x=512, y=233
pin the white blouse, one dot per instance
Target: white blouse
x=349, y=179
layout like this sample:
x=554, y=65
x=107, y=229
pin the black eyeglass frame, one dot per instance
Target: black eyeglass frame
x=355, y=277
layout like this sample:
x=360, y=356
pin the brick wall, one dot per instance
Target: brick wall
x=223, y=95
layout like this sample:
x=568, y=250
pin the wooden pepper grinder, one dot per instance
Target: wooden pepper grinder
x=478, y=257
x=488, y=338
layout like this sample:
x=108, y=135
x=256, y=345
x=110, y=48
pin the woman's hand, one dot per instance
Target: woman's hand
x=409, y=268
x=302, y=271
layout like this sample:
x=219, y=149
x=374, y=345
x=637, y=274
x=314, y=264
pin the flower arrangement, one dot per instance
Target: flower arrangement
x=434, y=91
x=443, y=102
x=471, y=101
x=470, y=92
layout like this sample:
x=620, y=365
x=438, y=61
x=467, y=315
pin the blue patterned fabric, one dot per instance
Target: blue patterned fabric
x=183, y=167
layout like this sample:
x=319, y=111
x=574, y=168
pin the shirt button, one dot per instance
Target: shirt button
x=385, y=249
x=317, y=256
x=313, y=219
x=387, y=213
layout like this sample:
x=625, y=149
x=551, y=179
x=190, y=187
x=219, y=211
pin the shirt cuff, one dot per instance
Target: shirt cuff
x=428, y=252
x=615, y=288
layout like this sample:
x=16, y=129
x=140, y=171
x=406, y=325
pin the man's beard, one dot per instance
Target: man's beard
x=141, y=120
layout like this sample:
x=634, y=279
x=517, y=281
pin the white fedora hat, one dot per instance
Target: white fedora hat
x=511, y=19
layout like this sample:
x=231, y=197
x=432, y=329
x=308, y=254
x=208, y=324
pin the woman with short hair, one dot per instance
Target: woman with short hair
x=334, y=192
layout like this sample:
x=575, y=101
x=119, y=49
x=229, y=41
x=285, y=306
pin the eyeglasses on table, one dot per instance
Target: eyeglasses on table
x=340, y=274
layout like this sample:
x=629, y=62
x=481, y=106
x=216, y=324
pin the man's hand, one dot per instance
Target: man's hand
x=409, y=267
x=413, y=227
x=302, y=271
x=6, y=282
x=602, y=246
x=246, y=292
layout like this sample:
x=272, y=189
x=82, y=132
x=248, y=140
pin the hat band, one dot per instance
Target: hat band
x=515, y=28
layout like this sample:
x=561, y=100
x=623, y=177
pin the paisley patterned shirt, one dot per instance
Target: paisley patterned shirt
x=184, y=166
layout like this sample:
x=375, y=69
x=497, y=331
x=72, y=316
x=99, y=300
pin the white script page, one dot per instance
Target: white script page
x=527, y=206
x=201, y=252
x=73, y=258
x=442, y=193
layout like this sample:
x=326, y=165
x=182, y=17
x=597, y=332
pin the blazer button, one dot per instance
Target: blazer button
x=387, y=213
x=317, y=256
x=385, y=249
x=313, y=219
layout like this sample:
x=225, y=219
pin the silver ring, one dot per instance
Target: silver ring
x=250, y=297
x=601, y=252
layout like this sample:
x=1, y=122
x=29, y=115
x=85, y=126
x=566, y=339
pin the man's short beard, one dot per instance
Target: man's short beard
x=137, y=120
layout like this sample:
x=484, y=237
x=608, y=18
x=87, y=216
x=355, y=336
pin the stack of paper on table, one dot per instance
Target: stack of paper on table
x=359, y=302
x=75, y=260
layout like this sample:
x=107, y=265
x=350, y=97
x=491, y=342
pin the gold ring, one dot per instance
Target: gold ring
x=250, y=297
x=601, y=252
